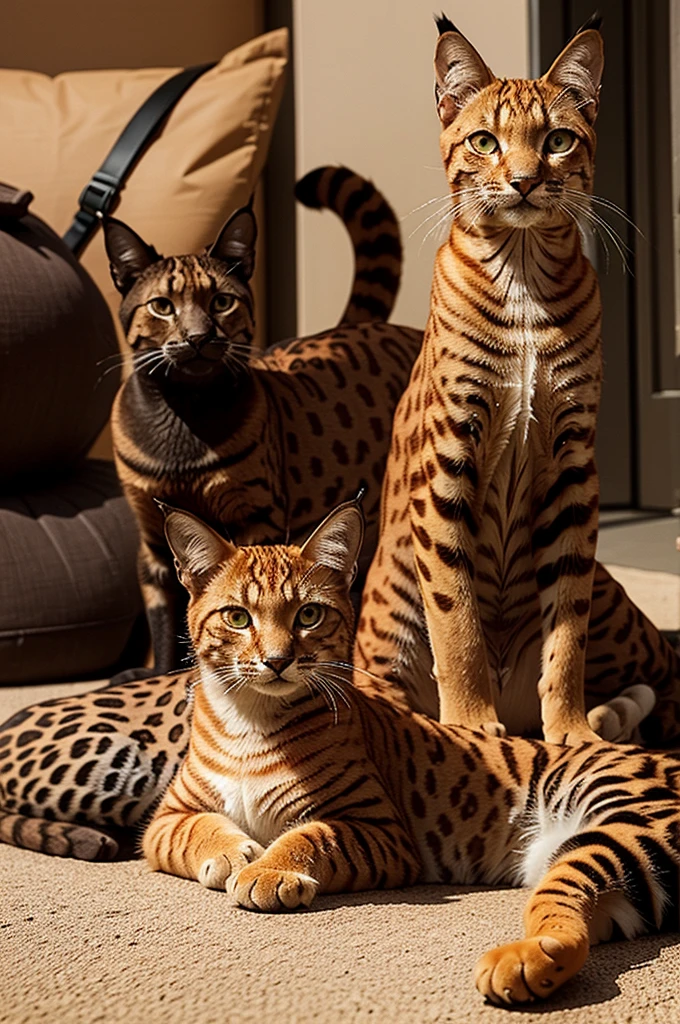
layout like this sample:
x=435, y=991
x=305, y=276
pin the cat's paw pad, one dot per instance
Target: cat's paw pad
x=527, y=970
x=494, y=729
x=271, y=890
x=215, y=871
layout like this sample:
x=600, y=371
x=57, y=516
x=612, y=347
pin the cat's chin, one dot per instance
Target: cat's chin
x=523, y=215
x=277, y=688
x=197, y=371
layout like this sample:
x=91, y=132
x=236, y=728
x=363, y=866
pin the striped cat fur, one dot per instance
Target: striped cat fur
x=295, y=783
x=484, y=603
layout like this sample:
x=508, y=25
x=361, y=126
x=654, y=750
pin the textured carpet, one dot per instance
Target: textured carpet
x=103, y=943
x=89, y=943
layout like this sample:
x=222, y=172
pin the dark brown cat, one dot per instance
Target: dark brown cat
x=259, y=446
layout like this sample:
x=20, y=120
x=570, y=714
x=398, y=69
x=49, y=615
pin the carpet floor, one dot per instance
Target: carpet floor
x=108, y=943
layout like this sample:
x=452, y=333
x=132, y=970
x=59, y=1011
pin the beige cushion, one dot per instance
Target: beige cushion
x=57, y=131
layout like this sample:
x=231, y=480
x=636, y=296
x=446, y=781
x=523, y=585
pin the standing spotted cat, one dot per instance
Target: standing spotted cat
x=485, y=577
x=295, y=783
x=260, y=446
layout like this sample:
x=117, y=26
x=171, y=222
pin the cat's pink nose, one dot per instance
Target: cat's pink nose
x=279, y=665
x=525, y=185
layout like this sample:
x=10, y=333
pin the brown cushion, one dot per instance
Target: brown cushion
x=56, y=132
x=57, y=340
x=68, y=583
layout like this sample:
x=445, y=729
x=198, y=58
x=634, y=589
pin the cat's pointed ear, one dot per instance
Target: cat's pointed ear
x=197, y=548
x=578, y=69
x=235, y=244
x=129, y=255
x=336, y=543
x=459, y=71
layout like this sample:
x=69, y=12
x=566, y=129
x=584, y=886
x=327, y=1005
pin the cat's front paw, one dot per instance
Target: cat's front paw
x=269, y=889
x=572, y=737
x=617, y=720
x=527, y=970
x=494, y=729
x=213, y=873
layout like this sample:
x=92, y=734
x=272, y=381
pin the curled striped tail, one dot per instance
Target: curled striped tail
x=58, y=838
x=375, y=236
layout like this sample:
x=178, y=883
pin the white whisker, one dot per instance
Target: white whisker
x=437, y=199
x=446, y=206
x=326, y=694
x=351, y=668
x=606, y=203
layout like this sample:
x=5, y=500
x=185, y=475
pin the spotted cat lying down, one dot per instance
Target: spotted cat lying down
x=295, y=783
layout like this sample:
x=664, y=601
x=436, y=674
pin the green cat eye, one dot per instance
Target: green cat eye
x=237, y=618
x=483, y=142
x=309, y=616
x=222, y=303
x=559, y=141
x=161, y=306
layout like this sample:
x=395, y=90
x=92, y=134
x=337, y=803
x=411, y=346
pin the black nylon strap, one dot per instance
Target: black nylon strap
x=100, y=194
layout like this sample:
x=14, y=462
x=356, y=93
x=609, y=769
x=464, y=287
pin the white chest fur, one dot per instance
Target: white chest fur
x=258, y=789
x=252, y=804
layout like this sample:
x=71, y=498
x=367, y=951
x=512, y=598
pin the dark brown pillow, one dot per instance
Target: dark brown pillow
x=68, y=583
x=56, y=333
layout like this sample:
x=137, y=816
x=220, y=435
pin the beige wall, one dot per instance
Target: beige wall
x=364, y=97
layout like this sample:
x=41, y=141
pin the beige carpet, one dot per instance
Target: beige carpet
x=107, y=943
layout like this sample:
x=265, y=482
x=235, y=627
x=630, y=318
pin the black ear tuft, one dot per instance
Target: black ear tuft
x=460, y=72
x=235, y=243
x=444, y=24
x=594, y=22
x=578, y=69
x=129, y=255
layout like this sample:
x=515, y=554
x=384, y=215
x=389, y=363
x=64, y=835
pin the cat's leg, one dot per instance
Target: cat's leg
x=626, y=650
x=164, y=598
x=563, y=542
x=200, y=845
x=325, y=857
x=391, y=654
x=445, y=574
x=164, y=603
x=607, y=874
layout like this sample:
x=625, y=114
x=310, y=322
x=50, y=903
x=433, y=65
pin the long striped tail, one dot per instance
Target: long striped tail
x=58, y=838
x=375, y=235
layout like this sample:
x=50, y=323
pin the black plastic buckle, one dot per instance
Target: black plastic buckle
x=99, y=194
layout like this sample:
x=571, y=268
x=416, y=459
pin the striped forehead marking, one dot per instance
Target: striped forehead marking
x=269, y=575
x=187, y=274
x=178, y=275
x=516, y=99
